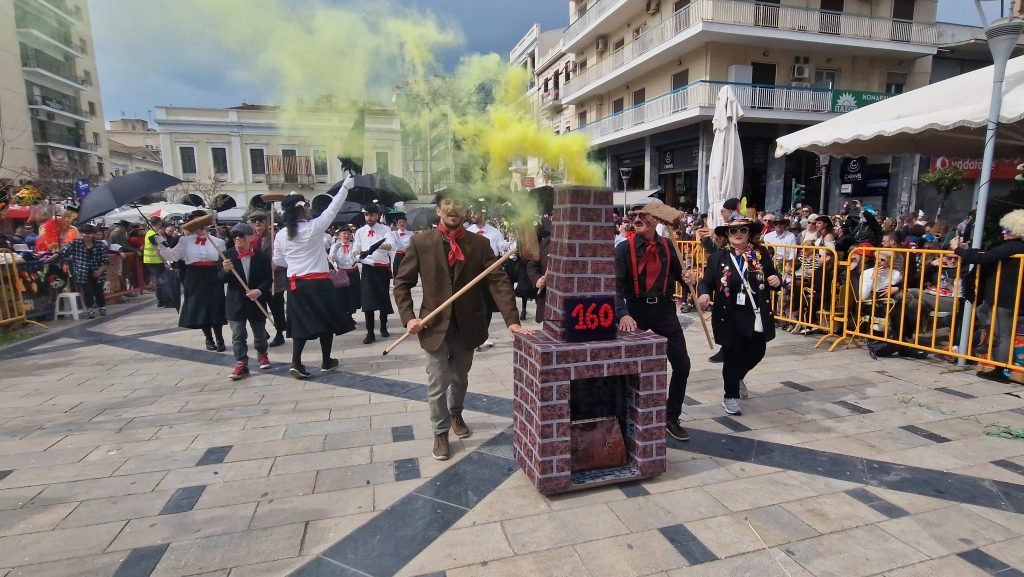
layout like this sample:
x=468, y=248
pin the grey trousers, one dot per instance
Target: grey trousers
x=447, y=380
x=240, y=338
x=1002, y=336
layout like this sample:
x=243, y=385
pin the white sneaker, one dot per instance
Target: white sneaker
x=732, y=406
x=744, y=393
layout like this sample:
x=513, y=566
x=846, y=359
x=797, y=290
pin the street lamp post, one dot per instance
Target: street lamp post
x=625, y=173
x=1002, y=37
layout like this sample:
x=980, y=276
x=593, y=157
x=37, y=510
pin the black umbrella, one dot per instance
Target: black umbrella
x=321, y=201
x=353, y=218
x=380, y=186
x=421, y=218
x=122, y=190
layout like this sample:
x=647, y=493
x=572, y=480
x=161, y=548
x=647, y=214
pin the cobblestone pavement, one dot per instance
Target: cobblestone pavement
x=126, y=451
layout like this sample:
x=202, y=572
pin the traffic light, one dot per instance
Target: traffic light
x=799, y=192
x=1020, y=173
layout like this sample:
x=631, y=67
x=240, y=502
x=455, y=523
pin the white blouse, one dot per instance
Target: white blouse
x=192, y=248
x=363, y=241
x=344, y=259
x=400, y=240
x=304, y=253
x=492, y=234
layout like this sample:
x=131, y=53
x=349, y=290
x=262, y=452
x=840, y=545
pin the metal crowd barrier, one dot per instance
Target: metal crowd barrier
x=12, y=307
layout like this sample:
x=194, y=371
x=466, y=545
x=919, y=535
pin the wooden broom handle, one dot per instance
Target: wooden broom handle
x=693, y=290
x=453, y=298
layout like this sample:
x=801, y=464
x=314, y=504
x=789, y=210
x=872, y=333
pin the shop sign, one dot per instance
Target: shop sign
x=529, y=181
x=850, y=100
x=631, y=161
x=851, y=176
x=1001, y=169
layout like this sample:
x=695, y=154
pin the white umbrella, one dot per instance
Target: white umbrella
x=946, y=118
x=725, y=173
x=161, y=209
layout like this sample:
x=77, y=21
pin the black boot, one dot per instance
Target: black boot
x=384, y=326
x=278, y=339
x=368, y=317
x=218, y=331
x=210, y=346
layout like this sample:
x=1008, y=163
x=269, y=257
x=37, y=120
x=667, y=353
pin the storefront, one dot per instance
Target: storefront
x=677, y=174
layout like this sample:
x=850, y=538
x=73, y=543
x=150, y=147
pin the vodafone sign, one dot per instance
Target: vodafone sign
x=1001, y=169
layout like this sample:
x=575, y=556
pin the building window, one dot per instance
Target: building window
x=257, y=162
x=220, y=160
x=618, y=105
x=582, y=118
x=680, y=4
x=639, y=31
x=96, y=138
x=619, y=44
x=824, y=78
x=92, y=109
x=320, y=165
x=99, y=168
x=680, y=79
x=188, y=159
x=895, y=82
x=382, y=161
x=581, y=65
x=87, y=78
x=639, y=96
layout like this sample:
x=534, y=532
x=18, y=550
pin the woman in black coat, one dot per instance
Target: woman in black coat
x=742, y=316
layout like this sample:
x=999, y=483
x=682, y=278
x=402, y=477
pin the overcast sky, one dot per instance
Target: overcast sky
x=143, y=64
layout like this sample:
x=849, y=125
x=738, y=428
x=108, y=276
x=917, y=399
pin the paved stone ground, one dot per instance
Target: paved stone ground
x=125, y=451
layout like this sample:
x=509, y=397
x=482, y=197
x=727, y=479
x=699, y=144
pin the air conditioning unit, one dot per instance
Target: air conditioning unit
x=602, y=44
x=652, y=6
x=801, y=71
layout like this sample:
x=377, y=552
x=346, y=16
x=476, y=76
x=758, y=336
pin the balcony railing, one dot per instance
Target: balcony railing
x=31, y=58
x=27, y=20
x=592, y=15
x=73, y=11
x=63, y=139
x=58, y=105
x=702, y=94
x=289, y=169
x=746, y=13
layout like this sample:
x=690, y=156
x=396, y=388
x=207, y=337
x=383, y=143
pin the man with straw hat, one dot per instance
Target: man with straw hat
x=646, y=271
x=446, y=259
x=204, y=287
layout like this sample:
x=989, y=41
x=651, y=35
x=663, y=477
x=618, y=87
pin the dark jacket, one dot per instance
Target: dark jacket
x=728, y=319
x=281, y=273
x=626, y=288
x=237, y=306
x=1009, y=278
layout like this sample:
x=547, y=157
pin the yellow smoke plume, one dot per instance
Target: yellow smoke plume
x=325, y=62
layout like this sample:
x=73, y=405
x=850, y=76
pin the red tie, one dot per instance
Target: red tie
x=455, y=251
x=480, y=232
x=651, y=265
x=243, y=254
x=370, y=233
x=201, y=240
x=401, y=235
x=345, y=248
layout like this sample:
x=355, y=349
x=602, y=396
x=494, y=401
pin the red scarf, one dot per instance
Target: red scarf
x=246, y=253
x=455, y=251
x=480, y=231
x=201, y=240
x=345, y=248
x=370, y=233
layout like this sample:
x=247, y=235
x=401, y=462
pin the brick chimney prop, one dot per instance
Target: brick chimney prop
x=565, y=375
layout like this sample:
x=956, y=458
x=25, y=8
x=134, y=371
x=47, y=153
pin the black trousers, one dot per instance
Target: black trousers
x=92, y=290
x=740, y=357
x=276, y=303
x=660, y=318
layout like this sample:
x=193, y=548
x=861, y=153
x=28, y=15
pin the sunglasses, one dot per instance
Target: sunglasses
x=1007, y=231
x=739, y=230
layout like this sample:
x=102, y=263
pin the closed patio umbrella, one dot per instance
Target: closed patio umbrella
x=725, y=170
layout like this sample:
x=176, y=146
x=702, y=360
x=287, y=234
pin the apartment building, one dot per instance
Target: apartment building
x=644, y=74
x=243, y=151
x=50, y=108
x=133, y=145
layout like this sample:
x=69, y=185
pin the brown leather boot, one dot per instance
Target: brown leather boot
x=459, y=427
x=441, y=452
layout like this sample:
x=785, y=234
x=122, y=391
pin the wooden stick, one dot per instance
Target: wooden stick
x=453, y=298
x=273, y=277
x=693, y=292
x=246, y=287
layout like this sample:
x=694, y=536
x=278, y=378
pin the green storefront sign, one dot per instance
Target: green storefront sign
x=850, y=100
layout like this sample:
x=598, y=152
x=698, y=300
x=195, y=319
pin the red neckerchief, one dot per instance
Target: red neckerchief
x=401, y=235
x=370, y=233
x=455, y=251
x=201, y=240
x=345, y=248
x=636, y=269
x=246, y=253
x=480, y=231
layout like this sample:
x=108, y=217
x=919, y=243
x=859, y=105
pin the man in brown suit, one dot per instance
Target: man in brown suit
x=446, y=259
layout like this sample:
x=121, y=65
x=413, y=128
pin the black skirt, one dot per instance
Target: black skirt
x=376, y=289
x=397, y=263
x=204, y=298
x=353, y=290
x=315, y=310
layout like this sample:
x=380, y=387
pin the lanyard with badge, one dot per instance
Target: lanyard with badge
x=741, y=299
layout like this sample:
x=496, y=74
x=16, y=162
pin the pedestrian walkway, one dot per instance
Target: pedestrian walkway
x=126, y=451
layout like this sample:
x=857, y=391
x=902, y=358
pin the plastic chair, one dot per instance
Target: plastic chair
x=72, y=310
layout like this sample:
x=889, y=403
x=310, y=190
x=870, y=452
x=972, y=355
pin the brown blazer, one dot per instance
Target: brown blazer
x=427, y=259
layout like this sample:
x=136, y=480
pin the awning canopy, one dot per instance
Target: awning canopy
x=946, y=118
